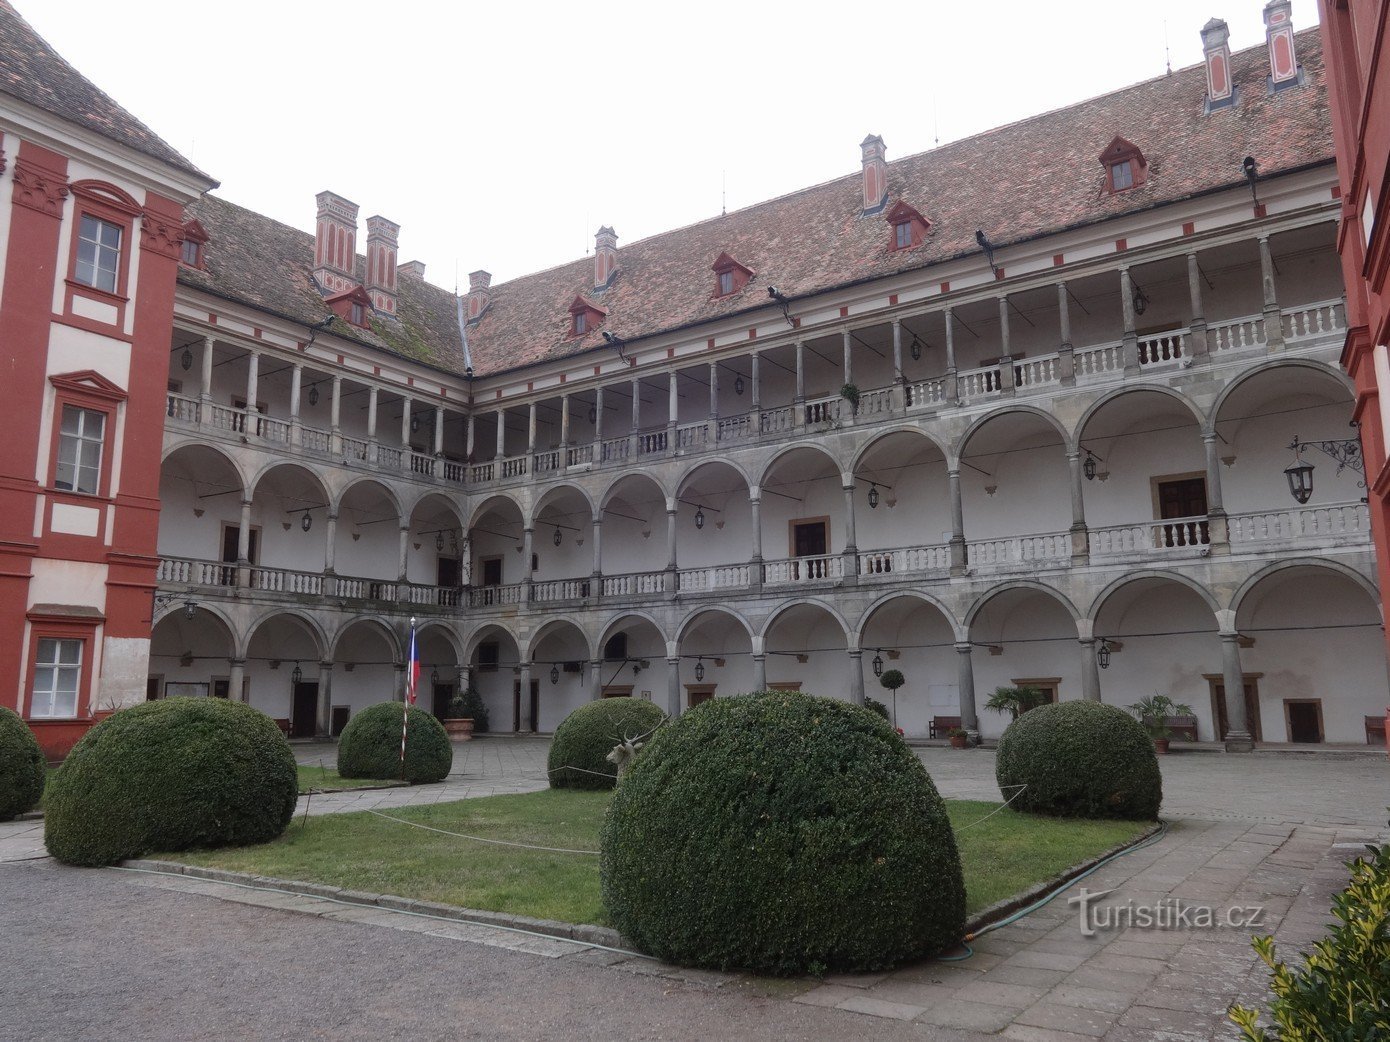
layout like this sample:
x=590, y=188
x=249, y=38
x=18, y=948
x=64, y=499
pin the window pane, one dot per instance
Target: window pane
x=48, y=651
x=91, y=454
x=72, y=419
x=63, y=479
x=89, y=228
x=110, y=236
x=93, y=424
x=70, y=652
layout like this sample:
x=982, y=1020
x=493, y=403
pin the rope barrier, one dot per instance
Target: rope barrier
x=482, y=839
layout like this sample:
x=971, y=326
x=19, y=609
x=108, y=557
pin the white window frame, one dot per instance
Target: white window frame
x=49, y=670
x=70, y=446
x=98, y=259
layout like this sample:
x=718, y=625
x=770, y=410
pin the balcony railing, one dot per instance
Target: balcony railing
x=1019, y=551
x=1336, y=522
x=803, y=570
x=1172, y=535
x=634, y=584
x=554, y=590
x=713, y=578
x=912, y=560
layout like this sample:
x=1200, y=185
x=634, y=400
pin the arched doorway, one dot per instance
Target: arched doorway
x=299, y=702
x=439, y=668
x=913, y=636
x=494, y=661
x=559, y=653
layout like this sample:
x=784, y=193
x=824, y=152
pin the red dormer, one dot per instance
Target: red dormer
x=1124, y=164
x=585, y=316
x=910, y=228
x=353, y=306
x=195, y=237
x=729, y=276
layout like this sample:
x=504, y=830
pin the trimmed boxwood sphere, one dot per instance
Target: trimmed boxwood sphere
x=1080, y=760
x=370, y=745
x=21, y=766
x=578, y=753
x=168, y=775
x=781, y=833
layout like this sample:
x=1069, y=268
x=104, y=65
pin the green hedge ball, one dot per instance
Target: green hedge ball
x=370, y=745
x=579, y=751
x=781, y=833
x=169, y=775
x=1080, y=760
x=22, y=767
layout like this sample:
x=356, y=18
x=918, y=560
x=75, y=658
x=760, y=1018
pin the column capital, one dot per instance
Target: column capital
x=965, y=647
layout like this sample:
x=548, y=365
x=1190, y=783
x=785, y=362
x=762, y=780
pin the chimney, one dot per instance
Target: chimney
x=335, y=243
x=1283, y=61
x=605, y=257
x=1215, y=37
x=415, y=269
x=382, y=236
x=478, y=283
x=875, y=174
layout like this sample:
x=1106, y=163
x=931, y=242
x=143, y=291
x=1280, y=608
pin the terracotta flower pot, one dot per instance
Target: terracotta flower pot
x=459, y=728
x=958, y=741
x=1161, y=746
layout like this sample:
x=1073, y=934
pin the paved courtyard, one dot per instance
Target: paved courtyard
x=1268, y=830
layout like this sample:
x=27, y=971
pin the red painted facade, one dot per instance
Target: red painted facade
x=1356, y=38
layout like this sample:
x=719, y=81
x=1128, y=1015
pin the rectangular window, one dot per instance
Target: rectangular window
x=57, y=670
x=190, y=253
x=581, y=322
x=903, y=234
x=726, y=283
x=98, y=253
x=79, y=450
x=359, y=315
x=1122, y=176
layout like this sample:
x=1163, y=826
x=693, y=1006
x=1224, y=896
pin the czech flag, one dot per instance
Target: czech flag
x=412, y=670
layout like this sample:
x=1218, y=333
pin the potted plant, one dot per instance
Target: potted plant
x=892, y=680
x=1153, y=712
x=1015, y=700
x=959, y=736
x=459, y=721
x=850, y=393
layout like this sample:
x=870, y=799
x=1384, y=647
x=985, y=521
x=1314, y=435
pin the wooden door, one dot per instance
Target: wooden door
x=1252, y=708
x=1183, y=497
x=231, y=541
x=809, y=538
x=443, y=695
x=1303, y=720
x=447, y=575
x=304, y=709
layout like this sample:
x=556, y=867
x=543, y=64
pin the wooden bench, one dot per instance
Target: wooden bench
x=1182, y=727
x=1375, y=730
x=284, y=724
x=941, y=724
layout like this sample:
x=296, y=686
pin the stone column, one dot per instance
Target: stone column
x=1218, y=527
x=759, y=672
x=330, y=553
x=799, y=400
x=1066, y=356
x=958, y=554
x=564, y=429
x=897, y=351
x=371, y=423
x=405, y=547
x=236, y=679
x=672, y=408
x=205, y=390
x=673, y=687
x=324, y=723
x=1274, y=320
x=1238, y=738
x=757, y=393
x=243, y=546
x=253, y=367
x=755, y=502
x=296, y=379
x=847, y=340
x=636, y=404
x=398, y=690
x=335, y=444
x=595, y=680
x=527, y=543
x=406, y=408
x=1006, y=365
x=1197, y=329
x=952, y=380
x=471, y=437
x=501, y=436
x=1130, y=348
x=598, y=550
x=1090, y=668
x=598, y=425
x=856, y=676
x=527, y=724
x=531, y=429
x=1080, y=543
x=671, y=543
x=965, y=685
x=439, y=430
x=714, y=390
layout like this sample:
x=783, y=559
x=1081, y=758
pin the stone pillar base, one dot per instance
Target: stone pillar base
x=1239, y=742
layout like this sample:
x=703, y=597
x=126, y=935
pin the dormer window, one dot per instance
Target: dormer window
x=1124, y=165
x=910, y=228
x=358, y=315
x=585, y=316
x=729, y=275
x=352, y=306
x=194, y=238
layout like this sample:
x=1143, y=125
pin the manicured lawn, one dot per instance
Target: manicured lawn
x=315, y=778
x=1002, y=855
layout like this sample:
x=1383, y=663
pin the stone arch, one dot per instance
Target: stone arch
x=1260, y=369
x=434, y=493
x=358, y=482
x=808, y=602
x=554, y=626
x=683, y=629
x=310, y=623
x=607, y=631
x=371, y=622
x=205, y=446
x=689, y=473
x=1098, y=602
x=611, y=487
x=448, y=632
x=497, y=499
x=1323, y=563
x=1199, y=418
x=1019, y=584
x=917, y=595
x=277, y=464
x=1048, y=419
x=553, y=492
x=487, y=629
x=787, y=450
x=902, y=428
x=229, y=630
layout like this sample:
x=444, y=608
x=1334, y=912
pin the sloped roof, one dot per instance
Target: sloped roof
x=34, y=72
x=1016, y=182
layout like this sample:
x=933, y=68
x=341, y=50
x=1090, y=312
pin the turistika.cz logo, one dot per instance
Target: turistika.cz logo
x=1168, y=913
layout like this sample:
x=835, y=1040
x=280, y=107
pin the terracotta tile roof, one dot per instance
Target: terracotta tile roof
x=1031, y=178
x=34, y=72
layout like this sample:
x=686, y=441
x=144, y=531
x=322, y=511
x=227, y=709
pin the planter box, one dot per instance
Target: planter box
x=460, y=729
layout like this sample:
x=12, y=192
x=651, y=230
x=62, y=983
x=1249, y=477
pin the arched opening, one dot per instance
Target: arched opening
x=714, y=529
x=1023, y=636
x=368, y=553
x=279, y=645
x=191, y=656
x=366, y=664
x=804, y=528
x=807, y=650
x=439, y=668
x=716, y=658
x=1016, y=493
x=494, y=661
x=1144, y=477
x=632, y=640
x=498, y=543
x=914, y=637
x=563, y=528
x=559, y=657
x=434, y=551
x=200, y=493
x=902, y=507
x=1313, y=648
x=1156, y=635
x=633, y=551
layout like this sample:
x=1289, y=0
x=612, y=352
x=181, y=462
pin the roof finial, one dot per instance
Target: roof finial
x=723, y=193
x=1167, y=55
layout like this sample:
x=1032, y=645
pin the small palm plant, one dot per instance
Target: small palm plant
x=1153, y=712
x=1015, y=700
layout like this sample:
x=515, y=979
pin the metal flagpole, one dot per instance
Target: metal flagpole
x=412, y=677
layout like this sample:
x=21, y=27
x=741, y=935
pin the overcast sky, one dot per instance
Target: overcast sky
x=501, y=135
